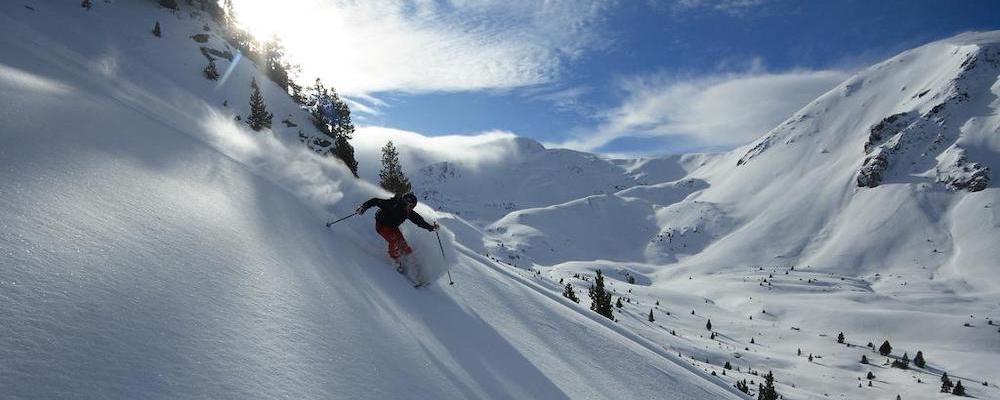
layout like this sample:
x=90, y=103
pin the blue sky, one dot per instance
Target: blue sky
x=618, y=77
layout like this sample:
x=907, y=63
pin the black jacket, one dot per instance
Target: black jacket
x=392, y=212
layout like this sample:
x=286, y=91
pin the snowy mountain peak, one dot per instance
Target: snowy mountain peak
x=909, y=114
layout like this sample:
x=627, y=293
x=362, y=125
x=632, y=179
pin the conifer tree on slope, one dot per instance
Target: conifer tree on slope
x=318, y=105
x=345, y=152
x=959, y=390
x=767, y=391
x=332, y=116
x=885, y=349
x=391, y=177
x=600, y=298
x=343, y=128
x=569, y=293
x=259, y=117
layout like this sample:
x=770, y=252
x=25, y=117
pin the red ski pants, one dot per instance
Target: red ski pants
x=395, y=239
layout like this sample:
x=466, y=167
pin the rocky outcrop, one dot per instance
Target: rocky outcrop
x=873, y=169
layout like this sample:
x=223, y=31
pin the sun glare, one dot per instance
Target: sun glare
x=265, y=19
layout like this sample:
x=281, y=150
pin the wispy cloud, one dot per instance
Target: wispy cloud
x=731, y=7
x=716, y=110
x=372, y=46
x=572, y=98
x=470, y=148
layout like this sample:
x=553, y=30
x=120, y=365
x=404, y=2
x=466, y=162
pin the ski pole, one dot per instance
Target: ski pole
x=450, y=282
x=334, y=222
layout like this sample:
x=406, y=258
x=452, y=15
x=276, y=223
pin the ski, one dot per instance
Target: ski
x=403, y=269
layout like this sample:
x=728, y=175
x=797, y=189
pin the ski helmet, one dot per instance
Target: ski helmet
x=410, y=199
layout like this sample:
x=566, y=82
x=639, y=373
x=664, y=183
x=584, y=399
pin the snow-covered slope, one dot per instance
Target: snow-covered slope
x=872, y=211
x=153, y=248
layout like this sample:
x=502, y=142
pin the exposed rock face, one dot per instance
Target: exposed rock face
x=958, y=173
x=889, y=126
x=209, y=52
x=907, y=145
x=873, y=169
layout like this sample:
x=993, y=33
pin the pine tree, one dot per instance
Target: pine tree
x=569, y=293
x=651, y=319
x=318, y=107
x=259, y=117
x=210, y=72
x=946, y=384
x=885, y=349
x=171, y=4
x=391, y=177
x=918, y=360
x=742, y=386
x=600, y=298
x=767, y=391
x=728, y=366
x=274, y=62
x=86, y=4
x=864, y=359
x=345, y=152
x=840, y=338
x=959, y=390
x=709, y=325
x=810, y=357
x=870, y=375
x=618, y=303
x=902, y=363
x=156, y=29
x=332, y=117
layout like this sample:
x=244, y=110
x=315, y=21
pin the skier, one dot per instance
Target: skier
x=391, y=213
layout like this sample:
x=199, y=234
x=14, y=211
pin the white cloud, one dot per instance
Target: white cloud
x=417, y=150
x=731, y=7
x=719, y=110
x=365, y=47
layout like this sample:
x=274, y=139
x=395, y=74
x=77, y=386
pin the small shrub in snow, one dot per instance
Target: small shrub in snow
x=156, y=29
